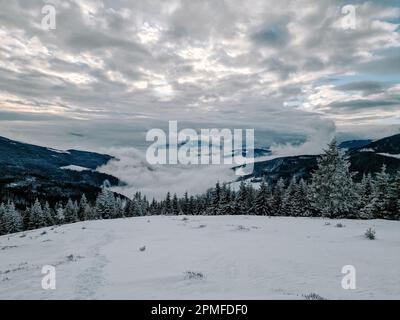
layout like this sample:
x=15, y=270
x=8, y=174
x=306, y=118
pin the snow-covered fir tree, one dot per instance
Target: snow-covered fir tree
x=105, y=204
x=241, y=205
x=333, y=190
x=380, y=190
x=366, y=204
x=2, y=224
x=12, y=219
x=167, y=204
x=82, y=206
x=36, y=216
x=71, y=212
x=277, y=197
x=175, y=205
x=60, y=217
x=303, y=199
x=226, y=201
x=261, y=203
x=48, y=214
x=392, y=199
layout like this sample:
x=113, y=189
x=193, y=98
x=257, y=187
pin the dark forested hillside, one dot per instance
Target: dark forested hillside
x=28, y=172
x=366, y=159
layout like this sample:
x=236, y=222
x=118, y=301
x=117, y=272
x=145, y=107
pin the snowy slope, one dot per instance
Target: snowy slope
x=241, y=257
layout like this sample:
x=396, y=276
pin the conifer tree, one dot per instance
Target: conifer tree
x=366, y=197
x=12, y=219
x=380, y=190
x=276, y=200
x=71, y=212
x=105, y=204
x=60, y=217
x=333, y=190
x=2, y=221
x=36, y=217
x=392, y=199
x=175, y=205
x=168, y=204
x=261, y=204
x=48, y=214
x=241, y=201
x=82, y=207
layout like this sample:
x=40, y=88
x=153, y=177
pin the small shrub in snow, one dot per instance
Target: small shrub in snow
x=43, y=233
x=313, y=296
x=370, y=234
x=340, y=225
x=185, y=219
x=194, y=275
x=142, y=248
x=202, y=226
x=70, y=257
x=242, y=228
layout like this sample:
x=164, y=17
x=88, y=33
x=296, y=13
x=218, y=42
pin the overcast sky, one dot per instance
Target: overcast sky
x=113, y=69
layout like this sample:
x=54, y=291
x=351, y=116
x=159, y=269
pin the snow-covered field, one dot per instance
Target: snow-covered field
x=241, y=257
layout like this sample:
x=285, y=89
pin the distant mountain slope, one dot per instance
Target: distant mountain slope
x=28, y=172
x=366, y=159
x=351, y=144
x=386, y=145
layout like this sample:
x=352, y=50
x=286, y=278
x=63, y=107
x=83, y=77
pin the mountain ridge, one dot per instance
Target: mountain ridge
x=28, y=172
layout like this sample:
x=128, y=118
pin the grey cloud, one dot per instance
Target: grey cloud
x=367, y=87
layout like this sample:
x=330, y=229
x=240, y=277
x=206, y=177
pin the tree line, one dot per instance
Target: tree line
x=331, y=192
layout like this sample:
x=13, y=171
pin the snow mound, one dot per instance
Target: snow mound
x=75, y=168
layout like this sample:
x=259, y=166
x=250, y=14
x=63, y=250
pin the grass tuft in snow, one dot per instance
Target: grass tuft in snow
x=313, y=296
x=340, y=225
x=72, y=257
x=370, y=234
x=242, y=228
x=189, y=275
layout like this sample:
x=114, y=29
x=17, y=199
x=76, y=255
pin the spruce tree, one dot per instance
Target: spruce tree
x=2, y=222
x=241, y=201
x=36, y=216
x=380, y=190
x=214, y=207
x=71, y=212
x=277, y=198
x=168, y=204
x=333, y=190
x=304, y=200
x=48, y=214
x=392, y=208
x=82, y=207
x=261, y=203
x=105, y=204
x=60, y=217
x=12, y=219
x=175, y=205
x=366, y=197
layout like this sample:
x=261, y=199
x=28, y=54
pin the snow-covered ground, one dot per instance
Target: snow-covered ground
x=241, y=257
